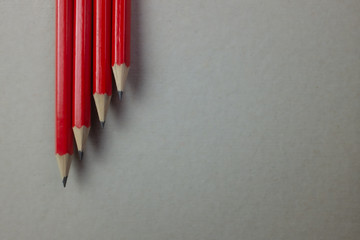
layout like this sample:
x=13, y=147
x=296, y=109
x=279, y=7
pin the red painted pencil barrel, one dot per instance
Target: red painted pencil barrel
x=121, y=32
x=63, y=78
x=82, y=63
x=102, y=73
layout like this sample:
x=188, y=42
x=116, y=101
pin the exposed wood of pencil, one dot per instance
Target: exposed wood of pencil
x=121, y=42
x=81, y=135
x=63, y=79
x=120, y=74
x=64, y=162
x=102, y=102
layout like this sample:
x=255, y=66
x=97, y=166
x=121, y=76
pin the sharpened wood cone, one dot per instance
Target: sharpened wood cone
x=120, y=74
x=64, y=162
x=102, y=102
x=81, y=134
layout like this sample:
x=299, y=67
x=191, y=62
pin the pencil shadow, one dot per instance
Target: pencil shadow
x=135, y=78
x=117, y=106
x=95, y=140
x=79, y=166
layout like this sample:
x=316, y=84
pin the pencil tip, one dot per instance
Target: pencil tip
x=81, y=154
x=120, y=94
x=102, y=124
x=64, y=181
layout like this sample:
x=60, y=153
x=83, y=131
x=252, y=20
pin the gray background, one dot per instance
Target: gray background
x=240, y=121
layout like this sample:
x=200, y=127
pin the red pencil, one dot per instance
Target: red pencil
x=63, y=79
x=121, y=42
x=102, y=81
x=82, y=72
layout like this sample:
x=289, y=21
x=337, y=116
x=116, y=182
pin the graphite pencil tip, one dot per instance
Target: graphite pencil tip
x=81, y=154
x=102, y=124
x=64, y=181
x=120, y=95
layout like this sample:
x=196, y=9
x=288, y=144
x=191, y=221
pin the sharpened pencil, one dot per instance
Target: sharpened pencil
x=63, y=79
x=121, y=23
x=82, y=72
x=102, y=75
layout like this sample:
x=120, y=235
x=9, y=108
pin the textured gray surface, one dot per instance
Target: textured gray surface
x=240, y=121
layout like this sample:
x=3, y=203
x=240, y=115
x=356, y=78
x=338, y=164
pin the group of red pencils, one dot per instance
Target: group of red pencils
x=92, y=45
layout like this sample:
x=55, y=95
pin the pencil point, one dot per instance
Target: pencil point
x=81, y=134
x=81, y=154
x=120, y=74
x=120, y=95
x=102, y=102
x=64, y=181
x=64, y=162
x=102, y=124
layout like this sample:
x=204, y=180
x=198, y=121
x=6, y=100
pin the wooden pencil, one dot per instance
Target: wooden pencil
x=121, y=42
x=102, y=75
x=63, y=81
x=82, y=72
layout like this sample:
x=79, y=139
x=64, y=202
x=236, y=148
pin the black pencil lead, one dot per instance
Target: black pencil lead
x=64, y=181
